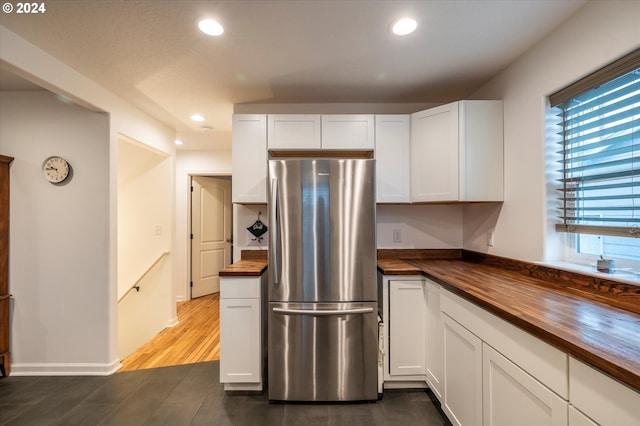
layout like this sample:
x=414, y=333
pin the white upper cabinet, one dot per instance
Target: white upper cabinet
x=348, y=131
x=457, y=152
x=392, y=158
x=294, y=131
x=309, y=131
x=249, y=158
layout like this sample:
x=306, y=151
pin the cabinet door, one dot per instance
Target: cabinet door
x=601, y=398
x=348, y=131
x=576, y=418
x=406, y=320
x=434, y=340
x=294, y=131
x=249, y=158
x=511, y=396
x=462, y=402
x=392, y=159
x=240, y=341
x=434, y=154
x=481, y=151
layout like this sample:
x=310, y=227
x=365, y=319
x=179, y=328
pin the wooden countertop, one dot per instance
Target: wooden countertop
x=601, y=335
x=245, y=268
x=252, y=263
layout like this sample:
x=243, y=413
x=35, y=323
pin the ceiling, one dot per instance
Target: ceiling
x=286, y=51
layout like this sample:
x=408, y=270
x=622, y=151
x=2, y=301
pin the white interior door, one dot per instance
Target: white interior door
x=211, y=230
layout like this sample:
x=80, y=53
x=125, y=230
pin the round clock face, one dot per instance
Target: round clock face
x=55, y=169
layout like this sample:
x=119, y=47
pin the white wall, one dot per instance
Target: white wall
x=98, y=325
x=190, y=163
x=598, y=34
x=420, y=226
x=59, y=235
x=244, y=216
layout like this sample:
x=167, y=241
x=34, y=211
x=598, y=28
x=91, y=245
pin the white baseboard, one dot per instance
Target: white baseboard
x=405, y=385
x=63, y=369
x=173, y=322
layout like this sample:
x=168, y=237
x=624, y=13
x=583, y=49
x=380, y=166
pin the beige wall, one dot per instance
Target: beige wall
x=145, y=226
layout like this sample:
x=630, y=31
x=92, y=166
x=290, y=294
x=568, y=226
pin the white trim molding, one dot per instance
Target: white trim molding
x=65, y=369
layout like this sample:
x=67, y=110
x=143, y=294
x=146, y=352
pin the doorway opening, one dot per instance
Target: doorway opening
x=211, y=233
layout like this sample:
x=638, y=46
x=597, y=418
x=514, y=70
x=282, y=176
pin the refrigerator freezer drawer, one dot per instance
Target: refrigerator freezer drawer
x=323, y=351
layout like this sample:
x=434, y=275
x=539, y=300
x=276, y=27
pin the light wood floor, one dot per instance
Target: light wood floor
x=195, y=339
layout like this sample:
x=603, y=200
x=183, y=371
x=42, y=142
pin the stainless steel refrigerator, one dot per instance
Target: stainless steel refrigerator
x=323, y=331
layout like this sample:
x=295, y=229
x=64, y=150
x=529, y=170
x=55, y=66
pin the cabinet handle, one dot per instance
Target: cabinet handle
x=326, y=312
x=275, y=233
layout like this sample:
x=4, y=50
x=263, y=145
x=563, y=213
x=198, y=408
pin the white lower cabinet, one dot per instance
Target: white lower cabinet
x=510, y=396
x=603, y=399
x=404, y=334
x=576, y=418
x=435, y=340
x=462, y=401
x=407, y=312
x=486, y=371
x=242, y=329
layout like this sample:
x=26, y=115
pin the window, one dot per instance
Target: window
x=599, y=125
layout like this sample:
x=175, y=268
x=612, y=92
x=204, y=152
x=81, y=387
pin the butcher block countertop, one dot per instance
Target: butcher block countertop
x=252, y=263
x=594, y=320
x=574, y=313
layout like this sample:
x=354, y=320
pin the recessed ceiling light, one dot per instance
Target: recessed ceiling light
x=404, y=26
x=210, y=27
x=179, y=142
x=197, y=117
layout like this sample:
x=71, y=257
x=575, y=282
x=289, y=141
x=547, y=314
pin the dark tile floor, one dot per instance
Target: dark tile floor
x=188, y=395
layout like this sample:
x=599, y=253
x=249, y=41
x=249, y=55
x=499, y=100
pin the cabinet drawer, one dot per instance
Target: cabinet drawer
x=240, y=288
x=544, y=362
x=602, y=398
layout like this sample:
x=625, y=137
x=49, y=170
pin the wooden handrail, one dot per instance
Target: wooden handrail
x=137, y=282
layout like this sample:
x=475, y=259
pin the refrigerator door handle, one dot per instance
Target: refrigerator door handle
x=325, y=312
x=275, y=232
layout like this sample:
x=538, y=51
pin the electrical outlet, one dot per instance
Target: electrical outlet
x=397, y=236
x=158, y=230
x=490, y=238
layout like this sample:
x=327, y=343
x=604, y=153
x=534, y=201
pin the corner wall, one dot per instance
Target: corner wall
x=596, y=35
x=59, y=238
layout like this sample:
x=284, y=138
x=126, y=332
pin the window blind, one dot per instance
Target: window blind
x=600, y=148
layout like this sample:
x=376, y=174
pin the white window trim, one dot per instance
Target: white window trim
x=626, y=270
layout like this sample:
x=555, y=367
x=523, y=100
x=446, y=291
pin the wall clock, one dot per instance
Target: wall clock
x=56, y=169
